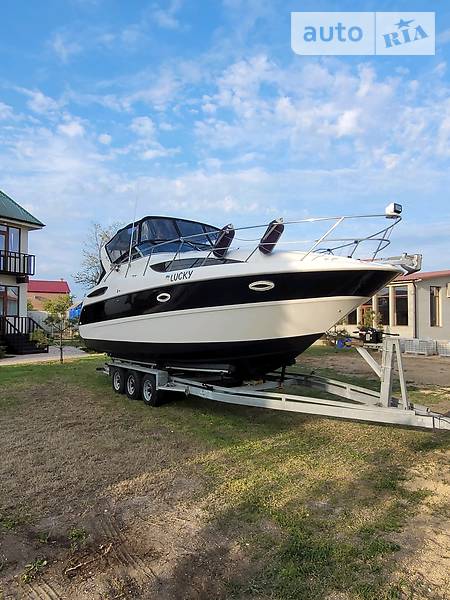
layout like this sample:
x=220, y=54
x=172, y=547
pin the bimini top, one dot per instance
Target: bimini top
x=160, y=234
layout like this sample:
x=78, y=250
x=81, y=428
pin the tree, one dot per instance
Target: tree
x=91, y=267
x=58, y=319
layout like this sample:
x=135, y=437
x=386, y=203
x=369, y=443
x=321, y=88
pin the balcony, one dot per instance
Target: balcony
x=16, y=263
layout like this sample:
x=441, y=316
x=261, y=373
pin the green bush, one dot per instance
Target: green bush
x=40, y=338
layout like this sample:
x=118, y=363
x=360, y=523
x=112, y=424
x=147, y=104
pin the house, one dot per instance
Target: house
x=412, y=306
x=40, y=291
x=16, y=266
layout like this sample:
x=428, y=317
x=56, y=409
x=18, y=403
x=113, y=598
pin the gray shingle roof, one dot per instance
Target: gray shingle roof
x=11, y=210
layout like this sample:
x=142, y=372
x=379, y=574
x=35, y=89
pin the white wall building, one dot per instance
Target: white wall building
x=413, y=306
x=16, y=266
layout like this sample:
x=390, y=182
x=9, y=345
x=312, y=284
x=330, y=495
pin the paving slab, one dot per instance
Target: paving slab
x=53, y=354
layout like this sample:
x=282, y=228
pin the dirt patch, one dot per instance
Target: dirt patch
x=424, y=559
x=140, y=548
x=420, y=370
x=127, y=483
x=430, y=373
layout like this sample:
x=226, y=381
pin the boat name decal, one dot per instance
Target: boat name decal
x=180, y=275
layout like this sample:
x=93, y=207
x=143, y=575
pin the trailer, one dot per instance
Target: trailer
x=150, y=382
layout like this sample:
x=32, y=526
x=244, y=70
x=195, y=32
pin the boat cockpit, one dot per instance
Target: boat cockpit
x=160, y=234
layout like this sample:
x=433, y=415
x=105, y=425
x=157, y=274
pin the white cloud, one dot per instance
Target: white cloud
x=63, y=47
x=38, y=102
x=166, y=18
x=165, y=126
x=131, y=35
x=109, y=101
x=347, y=123
x=159, y=93
x=72, y=129
x=441, y=68
x=6, y=112
x=158, y=151
x=391, y=160
x=147, y=147
x=105, y=139
x=144, y=127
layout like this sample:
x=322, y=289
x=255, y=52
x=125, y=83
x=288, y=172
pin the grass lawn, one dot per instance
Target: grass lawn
x=103, y=497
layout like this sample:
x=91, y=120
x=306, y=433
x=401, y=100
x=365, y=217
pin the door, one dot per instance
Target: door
x=3, y=248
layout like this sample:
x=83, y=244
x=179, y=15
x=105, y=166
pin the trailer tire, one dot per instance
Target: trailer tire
x=150, y=393
x=118, y=380
x=133, y=385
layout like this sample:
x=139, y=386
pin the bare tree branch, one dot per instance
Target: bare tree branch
x=91, y=268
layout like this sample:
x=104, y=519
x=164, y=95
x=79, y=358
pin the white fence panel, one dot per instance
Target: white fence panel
x=418, y=346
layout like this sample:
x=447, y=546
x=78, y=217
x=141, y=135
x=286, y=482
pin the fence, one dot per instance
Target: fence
x=426, y=347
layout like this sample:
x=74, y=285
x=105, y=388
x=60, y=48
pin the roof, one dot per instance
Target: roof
x=48, y=287
x=423, y=275
x=11, y=210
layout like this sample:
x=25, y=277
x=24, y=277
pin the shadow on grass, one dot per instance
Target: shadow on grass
x=336, y=539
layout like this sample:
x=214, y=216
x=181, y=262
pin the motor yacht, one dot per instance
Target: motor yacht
x=182, y=292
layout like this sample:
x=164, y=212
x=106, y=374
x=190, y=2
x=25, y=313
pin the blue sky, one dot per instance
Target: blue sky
x=201, y=109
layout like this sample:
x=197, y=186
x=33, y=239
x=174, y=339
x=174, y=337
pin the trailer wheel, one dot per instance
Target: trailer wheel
x=118, y=380
x=150, y=393
x=133, y=385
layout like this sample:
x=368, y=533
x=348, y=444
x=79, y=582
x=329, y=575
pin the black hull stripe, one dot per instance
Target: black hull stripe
x=235, y=290
x=248, y=357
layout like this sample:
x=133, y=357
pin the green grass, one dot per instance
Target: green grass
x=77, y=536
x=32, y=570
x=334, y=492
x=11, y=521
x=19, y=377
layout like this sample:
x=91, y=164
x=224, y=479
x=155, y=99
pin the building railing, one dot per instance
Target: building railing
x=11, y=325
x=17, y=263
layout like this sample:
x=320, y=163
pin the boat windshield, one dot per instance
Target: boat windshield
x=160, y=234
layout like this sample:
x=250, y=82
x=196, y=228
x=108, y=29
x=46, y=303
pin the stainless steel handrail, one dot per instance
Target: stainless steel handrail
x=381, y=237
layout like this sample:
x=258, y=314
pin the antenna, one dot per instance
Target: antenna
x=132, y=235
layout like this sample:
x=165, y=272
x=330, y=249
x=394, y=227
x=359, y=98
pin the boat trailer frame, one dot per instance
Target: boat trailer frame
x=149, y=382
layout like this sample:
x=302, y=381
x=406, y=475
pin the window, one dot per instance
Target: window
x=367, y=314
x=435, y=306
x=383, y=306
x=189, y=263
x=401, y=304
x=10, y=238
x=119, y=246
x=14, y=239
x=352, y=318
x=160, y=234
x=159, y=230
x=9, y=301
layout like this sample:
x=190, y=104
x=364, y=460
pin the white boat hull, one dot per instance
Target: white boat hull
x=254, y=338
x=236, y=323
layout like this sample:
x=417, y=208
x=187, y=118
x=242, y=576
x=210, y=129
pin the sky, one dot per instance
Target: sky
x=200, y=109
